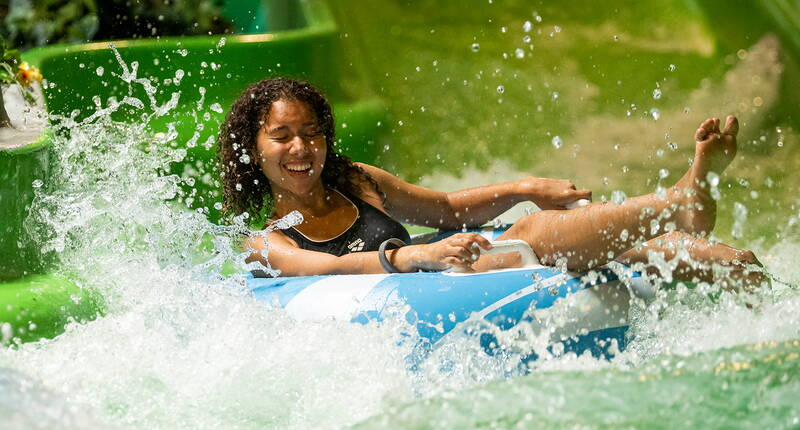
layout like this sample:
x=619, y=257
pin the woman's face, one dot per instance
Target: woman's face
x=290, y=148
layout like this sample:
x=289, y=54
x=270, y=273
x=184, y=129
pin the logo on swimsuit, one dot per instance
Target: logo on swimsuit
x=356, y=245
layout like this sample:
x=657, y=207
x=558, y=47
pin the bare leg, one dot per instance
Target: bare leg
x=696, y=263
x=598, y=233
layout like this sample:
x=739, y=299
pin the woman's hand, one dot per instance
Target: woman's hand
x=551, y=193
x=458, y=251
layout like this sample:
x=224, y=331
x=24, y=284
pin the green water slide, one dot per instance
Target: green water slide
x=331, y=44
x=276, y=38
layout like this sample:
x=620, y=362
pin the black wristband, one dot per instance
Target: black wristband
x=387, y=266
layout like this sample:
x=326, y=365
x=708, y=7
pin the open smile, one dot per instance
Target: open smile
x=299, y=168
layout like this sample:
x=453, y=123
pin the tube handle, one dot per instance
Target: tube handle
x=514, y=245
x=578, y=203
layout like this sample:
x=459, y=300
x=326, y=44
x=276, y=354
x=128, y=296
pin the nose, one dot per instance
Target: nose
x=297, y=145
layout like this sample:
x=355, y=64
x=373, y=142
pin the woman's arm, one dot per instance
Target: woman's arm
x=457, y=251
x=470, y=207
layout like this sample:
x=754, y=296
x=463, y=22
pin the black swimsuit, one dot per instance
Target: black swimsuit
x=369, y=230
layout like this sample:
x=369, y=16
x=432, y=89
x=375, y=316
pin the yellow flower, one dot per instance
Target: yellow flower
x=27, y=74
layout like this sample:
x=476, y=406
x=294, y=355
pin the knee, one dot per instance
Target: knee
x=746, y=256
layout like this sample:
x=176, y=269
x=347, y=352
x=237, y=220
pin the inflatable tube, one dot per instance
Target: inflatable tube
x=592, y=309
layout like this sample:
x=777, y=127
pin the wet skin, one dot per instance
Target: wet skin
x=291, y=152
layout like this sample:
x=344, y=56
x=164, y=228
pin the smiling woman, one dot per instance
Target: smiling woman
x=277, y=144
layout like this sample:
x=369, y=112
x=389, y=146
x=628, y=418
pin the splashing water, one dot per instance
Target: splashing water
x=183, y=346
x=180, y=346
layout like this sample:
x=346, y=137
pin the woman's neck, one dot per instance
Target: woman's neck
x=315, y=202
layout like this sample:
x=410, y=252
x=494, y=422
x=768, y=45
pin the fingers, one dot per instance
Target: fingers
x=731, y=126
x=466, y=247
x=457, y=264
x=583, y=195
x=465, y=253
x=483, y=242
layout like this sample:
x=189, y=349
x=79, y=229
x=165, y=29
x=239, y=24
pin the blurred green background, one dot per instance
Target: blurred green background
x=604, y=94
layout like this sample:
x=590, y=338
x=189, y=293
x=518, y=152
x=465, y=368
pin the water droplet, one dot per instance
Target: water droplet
x=100, y=70
x=656, y=94
x=671, y=68
x=618, y=197
x=739, y=220
x=526, y=39
x=238, y=187
x=503, y=29
x=713, y=182
x=519, y=53
x=527, y=26
x=713, y=179
x=37, y=183
x=501, y=89
x=178, y=76
x=244, y=158
x=216, y=107
x=615, y=38
x=557, y=142
x=218, y=206
x=554, y=96
x=475, y=47
x=663, y=173
x=655, y=113
x=672, y=145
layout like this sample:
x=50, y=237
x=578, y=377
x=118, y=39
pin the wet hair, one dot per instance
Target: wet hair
x=244, y=186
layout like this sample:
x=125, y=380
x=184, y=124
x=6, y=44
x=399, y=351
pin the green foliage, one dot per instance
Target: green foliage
x=30, y=24
x=125, y=19
x=9, y=61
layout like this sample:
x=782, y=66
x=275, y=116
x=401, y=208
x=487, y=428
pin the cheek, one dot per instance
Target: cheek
x=321, y=150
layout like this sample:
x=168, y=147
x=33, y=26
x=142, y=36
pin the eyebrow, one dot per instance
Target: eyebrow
x=283, y=127
x=276, y=129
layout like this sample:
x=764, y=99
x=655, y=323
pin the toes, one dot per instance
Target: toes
x=716, y=126
x=705, y=128
x=731, y=126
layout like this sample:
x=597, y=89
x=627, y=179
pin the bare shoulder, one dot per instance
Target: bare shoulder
x=366, y=189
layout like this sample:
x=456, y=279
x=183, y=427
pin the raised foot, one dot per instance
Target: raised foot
x=715, y=149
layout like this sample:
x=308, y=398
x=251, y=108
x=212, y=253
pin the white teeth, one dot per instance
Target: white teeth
x=298, y=167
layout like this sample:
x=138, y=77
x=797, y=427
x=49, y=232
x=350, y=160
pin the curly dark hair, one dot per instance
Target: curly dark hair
x=244, y=186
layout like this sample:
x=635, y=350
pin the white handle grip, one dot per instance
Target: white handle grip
x=578, y=203
x=514, y=245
